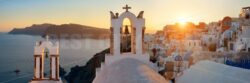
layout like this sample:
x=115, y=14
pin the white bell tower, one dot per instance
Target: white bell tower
x=137, y=31
x=39, y=54
x=137, y=25
x=137, y=38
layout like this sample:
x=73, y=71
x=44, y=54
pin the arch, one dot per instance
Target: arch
x=126, y=21
x=46, y=61
x=127, y=39
x=130, y=16
x=130, y=27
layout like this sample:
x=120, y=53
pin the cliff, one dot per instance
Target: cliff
x=86, y=74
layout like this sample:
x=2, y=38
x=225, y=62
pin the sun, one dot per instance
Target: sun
x=182, y=23
x=182, y=20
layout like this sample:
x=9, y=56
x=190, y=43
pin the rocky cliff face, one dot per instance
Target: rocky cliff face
x=86, y=74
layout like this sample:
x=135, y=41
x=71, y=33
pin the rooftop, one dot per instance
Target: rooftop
x=212, y=72
x=128, y=70
x=246, y=7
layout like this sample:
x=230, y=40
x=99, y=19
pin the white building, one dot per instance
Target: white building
x=243, y=42
x=212, y=36
x=243, y=34
x=245, y=16
x=193, y=45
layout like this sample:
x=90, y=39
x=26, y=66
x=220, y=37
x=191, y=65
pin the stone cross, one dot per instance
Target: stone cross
x=126, y=7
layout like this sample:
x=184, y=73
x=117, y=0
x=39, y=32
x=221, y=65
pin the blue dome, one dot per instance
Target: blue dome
x=178, y=58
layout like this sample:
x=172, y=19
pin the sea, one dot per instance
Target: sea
x=17, y=53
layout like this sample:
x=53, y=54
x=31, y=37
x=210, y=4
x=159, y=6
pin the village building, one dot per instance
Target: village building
x=211, y=37
x=240, y=29
x=193, y=44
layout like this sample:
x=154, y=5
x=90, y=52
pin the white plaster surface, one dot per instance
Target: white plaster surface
x=128, y=70
x=37, y=70
x=212, y=72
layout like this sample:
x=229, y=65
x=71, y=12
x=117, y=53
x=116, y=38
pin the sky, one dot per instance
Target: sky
x=158, y=13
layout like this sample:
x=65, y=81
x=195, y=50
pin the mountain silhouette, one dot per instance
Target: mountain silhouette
x=74, y=31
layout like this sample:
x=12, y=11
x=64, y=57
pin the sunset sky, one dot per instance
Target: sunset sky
x=158, y=13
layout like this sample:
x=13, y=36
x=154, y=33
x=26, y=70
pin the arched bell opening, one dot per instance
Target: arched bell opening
x=46, y=63
x=127, y=36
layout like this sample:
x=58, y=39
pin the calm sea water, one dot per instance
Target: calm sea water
x=16, y=52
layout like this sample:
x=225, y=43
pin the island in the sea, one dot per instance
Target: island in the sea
x=75, y=31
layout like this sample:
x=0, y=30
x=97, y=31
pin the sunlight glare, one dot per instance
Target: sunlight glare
x=182, y=20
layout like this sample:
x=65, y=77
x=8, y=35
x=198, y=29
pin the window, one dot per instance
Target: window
x=231, y=46
x=247, y=16
x=210, y=39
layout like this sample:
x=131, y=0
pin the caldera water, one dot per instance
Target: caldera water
x=16, y=53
